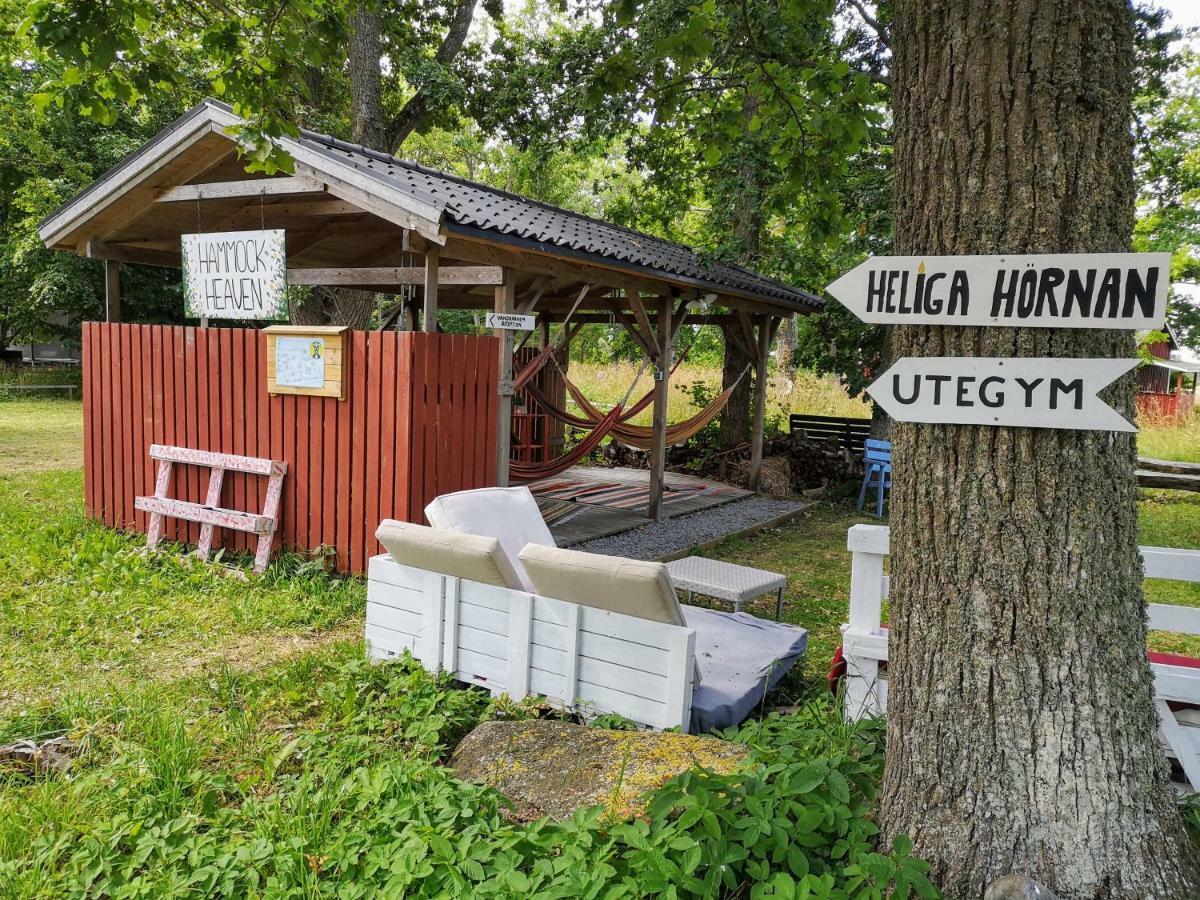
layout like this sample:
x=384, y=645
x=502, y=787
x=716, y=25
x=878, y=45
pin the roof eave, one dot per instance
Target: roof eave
x=483, y=234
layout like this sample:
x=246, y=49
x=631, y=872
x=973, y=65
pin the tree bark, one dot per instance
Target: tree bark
x=1021, y=734
x=366, y=81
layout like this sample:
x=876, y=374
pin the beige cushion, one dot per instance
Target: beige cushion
x=466, y=556
x=632, y=587
x=509, y=514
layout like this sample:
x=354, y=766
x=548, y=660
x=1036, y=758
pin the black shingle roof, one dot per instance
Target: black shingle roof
x=470, y=207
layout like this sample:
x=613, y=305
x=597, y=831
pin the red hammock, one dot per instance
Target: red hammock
x=519, y=471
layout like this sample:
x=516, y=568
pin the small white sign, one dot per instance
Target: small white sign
x=300, y=362
x=1027, y=392
x=511, y=321
x=1071, y=290
x=235, y=275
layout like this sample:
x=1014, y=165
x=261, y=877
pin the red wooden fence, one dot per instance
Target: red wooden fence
x=418, y=421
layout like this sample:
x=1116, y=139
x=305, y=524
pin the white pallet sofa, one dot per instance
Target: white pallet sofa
x=517, y=643
x=487, y=596
x=1176, y=678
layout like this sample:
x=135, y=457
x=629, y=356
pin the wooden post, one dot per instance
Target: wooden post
x=761, y=355
x=112, y=290
x=506, y=298
x=429, y=316
x=658, y=445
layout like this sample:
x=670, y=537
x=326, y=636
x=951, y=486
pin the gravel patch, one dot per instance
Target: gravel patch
x=684, y=532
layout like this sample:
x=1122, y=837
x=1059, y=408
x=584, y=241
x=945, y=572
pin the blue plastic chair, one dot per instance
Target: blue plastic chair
x=877, y=461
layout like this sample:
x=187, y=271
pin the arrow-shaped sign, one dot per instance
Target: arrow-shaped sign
x=1071, y=290
x=1028, y=392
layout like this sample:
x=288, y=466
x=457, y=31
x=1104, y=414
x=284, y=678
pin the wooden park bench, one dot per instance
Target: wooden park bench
x=210, y=514
x=851, y=434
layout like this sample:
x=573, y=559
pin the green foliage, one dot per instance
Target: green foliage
x=1168, y=164
x=213, y=798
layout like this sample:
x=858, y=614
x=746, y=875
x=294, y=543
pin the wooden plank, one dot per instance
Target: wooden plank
x=198, y=513
x=112, y=290
x=122, y=416
x=345, y=411
x=358, y=373
x=376, y=455
x=760, y=404
x=432, y=345
x=250, y=187
x=137, y=456
x=430, y=291
x=658, y=447
x=383, y=643
x=387, y=436
x=447, y=419
x=159, y=359
x=404, y=392
x=1171, y=563
x=1170, y=617
x=1168, y=465
x=88, y=360
x=462, y=426
x=505, y=297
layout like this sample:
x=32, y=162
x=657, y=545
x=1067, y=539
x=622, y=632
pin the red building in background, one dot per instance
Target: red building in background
x=1167, y=386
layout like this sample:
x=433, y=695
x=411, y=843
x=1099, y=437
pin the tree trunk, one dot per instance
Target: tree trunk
x=339, y=305
x=746, y=228
x=1021, y=734
x=366, y=81
x=785, y=344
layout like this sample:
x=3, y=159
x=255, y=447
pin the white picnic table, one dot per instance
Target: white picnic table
x=726, y=581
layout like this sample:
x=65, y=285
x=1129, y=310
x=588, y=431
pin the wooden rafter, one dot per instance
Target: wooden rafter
x=251, y=187
x=480, y=275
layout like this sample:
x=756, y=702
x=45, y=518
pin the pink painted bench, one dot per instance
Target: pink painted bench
x=210, y=514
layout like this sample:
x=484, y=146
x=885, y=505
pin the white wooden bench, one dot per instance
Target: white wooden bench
x=521, y=644
x=1176, y=678
x=210, y=514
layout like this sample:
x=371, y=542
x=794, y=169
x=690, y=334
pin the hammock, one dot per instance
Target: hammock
x=519, y=471
x=640, y=436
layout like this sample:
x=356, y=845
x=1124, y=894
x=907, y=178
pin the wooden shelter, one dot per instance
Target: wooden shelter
x=357, y=218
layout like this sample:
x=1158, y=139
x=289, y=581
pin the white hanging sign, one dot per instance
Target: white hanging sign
x=235, y=275
x=1070, y=290
x=511, y=321
x=1027, y=392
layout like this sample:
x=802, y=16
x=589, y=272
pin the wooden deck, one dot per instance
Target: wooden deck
x=588, y=502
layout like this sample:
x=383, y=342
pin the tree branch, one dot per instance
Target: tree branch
x=416, y=110
x=873, y=22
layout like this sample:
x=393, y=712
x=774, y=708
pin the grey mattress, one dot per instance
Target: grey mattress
x=741, y=657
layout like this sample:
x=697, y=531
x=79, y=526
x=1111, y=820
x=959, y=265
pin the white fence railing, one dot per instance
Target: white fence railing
x=865, y=641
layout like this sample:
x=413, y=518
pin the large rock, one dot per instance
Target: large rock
x=550, y=768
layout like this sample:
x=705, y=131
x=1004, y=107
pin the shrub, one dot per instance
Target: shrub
x=355, y=803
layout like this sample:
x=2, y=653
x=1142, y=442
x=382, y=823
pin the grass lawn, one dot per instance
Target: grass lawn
x=233, y=742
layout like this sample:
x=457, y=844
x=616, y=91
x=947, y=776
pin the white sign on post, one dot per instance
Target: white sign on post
x=300, y=362
x=1071, y=290
x=511, y=321
x=1028, y=392
x=235, y=275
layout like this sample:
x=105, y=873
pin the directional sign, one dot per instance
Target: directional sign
x=1074, y=290
x=1028, y=392
x=511, y=321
